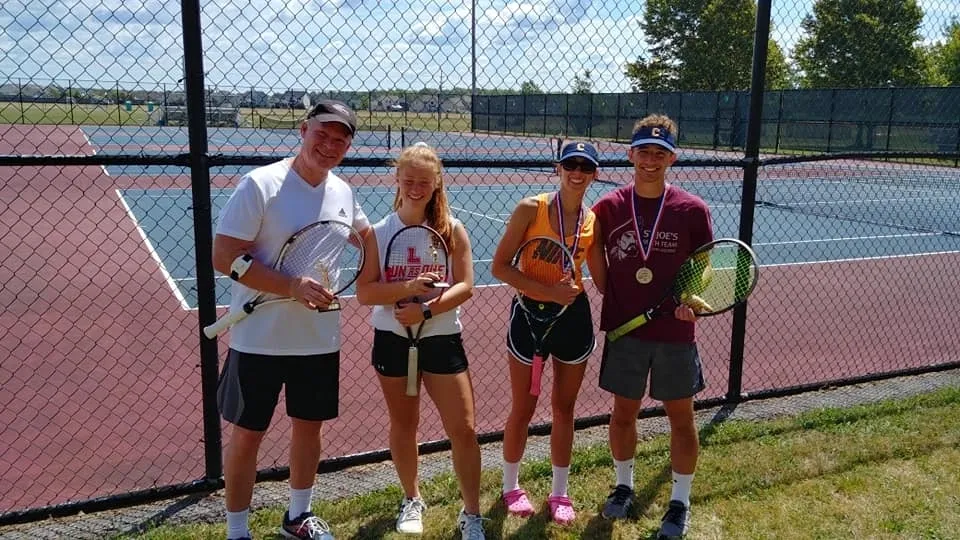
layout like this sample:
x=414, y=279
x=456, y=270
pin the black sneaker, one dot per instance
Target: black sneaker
x=675, y=522
x=618, y=503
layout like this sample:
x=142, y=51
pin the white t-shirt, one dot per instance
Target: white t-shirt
x=441, y=324
x=270, y=204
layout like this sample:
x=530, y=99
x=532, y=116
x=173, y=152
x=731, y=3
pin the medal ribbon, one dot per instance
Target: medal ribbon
x=645, y=251
x=576, y=233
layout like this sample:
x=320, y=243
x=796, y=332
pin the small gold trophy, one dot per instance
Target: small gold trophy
x=324, y=275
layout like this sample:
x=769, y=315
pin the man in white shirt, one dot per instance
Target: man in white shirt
x=287, y=345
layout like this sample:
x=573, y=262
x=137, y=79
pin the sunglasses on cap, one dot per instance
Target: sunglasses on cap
x=582, y=164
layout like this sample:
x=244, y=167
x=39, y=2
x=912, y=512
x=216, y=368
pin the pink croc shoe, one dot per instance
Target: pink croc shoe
x=517, y=503
x=561, y=509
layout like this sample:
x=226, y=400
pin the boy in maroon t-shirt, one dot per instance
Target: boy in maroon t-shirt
x=648, y=229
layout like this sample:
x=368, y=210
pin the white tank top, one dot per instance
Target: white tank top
x=440, y=324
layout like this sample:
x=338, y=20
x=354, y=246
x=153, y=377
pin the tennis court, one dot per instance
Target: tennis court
x=120, y=242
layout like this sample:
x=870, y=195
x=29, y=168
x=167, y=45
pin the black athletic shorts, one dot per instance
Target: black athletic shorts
x=570, y=341
x=249, y=387
x=442, y=355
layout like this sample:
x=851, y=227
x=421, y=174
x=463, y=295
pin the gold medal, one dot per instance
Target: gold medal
x=644, y=276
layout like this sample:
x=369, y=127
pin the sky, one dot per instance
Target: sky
x=320, y=45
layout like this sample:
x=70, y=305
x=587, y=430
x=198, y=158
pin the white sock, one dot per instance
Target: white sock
x=511, y=476
x=237, y=526
x=624, y=472
x=560, y=475
x=299, y=501
x=681, y=488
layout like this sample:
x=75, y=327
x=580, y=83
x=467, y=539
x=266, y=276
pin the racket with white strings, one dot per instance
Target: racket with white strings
x=716, y=278
x=548, y=262
x=330, y=252
x=412, y=251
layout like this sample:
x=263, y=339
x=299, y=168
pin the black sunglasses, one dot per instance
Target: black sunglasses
x=582, y=164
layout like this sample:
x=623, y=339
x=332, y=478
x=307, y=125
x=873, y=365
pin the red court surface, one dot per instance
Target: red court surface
x=101, y=378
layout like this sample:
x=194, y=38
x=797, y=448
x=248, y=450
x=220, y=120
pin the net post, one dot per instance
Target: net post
x=752, y=152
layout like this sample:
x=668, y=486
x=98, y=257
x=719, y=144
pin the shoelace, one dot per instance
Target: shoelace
x=675, y=515
x=621, y=494
x=314, y=525
x=412, y=510
x=472, y=527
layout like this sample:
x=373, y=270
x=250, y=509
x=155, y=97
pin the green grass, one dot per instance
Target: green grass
x=66, y=114
x=886, y=470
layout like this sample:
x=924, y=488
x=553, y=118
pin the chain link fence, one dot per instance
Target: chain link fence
x=110, y=190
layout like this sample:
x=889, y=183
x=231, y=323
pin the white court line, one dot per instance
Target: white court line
x=844, y=239
x=775, y=265
x=153, y=253
x=858, y=259
x=487, y=216
x=94, y=149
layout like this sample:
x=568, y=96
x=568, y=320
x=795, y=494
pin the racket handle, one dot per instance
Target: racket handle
x=223, y=323
x=536, y=373
x=628, y=327
x=412, y=371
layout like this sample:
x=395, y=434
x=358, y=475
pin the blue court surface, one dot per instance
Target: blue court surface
x=804, y=222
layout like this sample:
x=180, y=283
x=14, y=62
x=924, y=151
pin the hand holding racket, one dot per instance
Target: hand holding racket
x=548, y=262
x=325, y=253
x=416, y=253
x=717, y=277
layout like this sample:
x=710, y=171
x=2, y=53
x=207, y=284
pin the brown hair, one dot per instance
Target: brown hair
x=437, y=211
x=657, y=120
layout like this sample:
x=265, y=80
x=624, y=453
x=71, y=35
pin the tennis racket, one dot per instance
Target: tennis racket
x=412, y=251
x=330, y=252
x=548, y=262
x=717, y=277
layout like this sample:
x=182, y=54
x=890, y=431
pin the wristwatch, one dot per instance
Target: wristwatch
x=426, y=311
x=240, y=266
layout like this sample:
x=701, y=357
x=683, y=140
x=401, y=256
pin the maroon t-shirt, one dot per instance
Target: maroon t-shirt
x=684, y=225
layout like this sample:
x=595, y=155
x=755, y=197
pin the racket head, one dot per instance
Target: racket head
x=414, y=250
x=717, y=277
x=547, y=261
x=329, y=251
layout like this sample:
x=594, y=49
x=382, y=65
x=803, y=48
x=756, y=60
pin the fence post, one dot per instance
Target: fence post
x=119, y=106
x=619, y=97
x=70, y=98
x=202, y=231
x=748, y=196
x=890, y=118
x=776, y=144
x=956, y=160
x=23, y=116
x=833, y=105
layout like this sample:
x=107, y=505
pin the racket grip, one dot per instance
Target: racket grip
x=536, y=373
x=412, y=371
x=223, y=323
x=628, y=327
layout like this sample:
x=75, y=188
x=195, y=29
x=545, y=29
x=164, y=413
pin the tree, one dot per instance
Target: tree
x=701, y=45
x=862, y=43
x=945, y=56
x=530, y=87
x=583, y=84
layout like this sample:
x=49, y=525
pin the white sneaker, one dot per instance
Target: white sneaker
x=410, y=517
x=471, y=526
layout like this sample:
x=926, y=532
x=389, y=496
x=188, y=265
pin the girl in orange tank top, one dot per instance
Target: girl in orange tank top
x=560, y=215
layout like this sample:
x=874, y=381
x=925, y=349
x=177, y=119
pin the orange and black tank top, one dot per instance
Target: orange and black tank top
x=543, y=225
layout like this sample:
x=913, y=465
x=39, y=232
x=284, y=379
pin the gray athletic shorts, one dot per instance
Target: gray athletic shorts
x=674, y=369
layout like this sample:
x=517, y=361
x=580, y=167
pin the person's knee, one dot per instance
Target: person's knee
x=244, y=441
x=462, y=434
x=563, y=411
